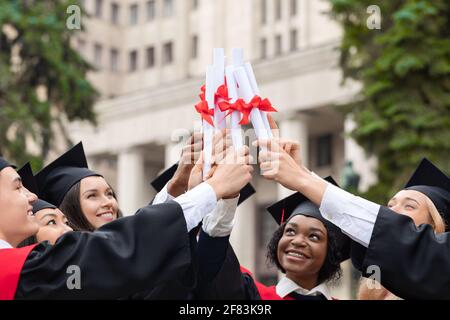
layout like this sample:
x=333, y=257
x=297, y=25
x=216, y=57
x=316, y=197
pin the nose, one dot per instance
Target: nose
x=107, y=201
x=299, y=241
x=31, y=196
x=65, y=228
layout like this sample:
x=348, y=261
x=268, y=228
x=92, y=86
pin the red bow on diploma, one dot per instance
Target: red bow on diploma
x=203, y=109
x=257, y=102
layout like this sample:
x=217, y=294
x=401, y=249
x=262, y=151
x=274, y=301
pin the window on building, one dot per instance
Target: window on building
x=169, y=8
x=194, y=47
x=294, y=40
x=278, y=10
x=151, y=10
x=133, y=60
x=294, y=8
x=263, y=11
x=114, y=13
x=98, y=8
x=114, y=60
x=324, y=154
x=194, y=4
x=98, y=55
x=134, y=10
x=278, y=45
x=263, y=48
x=150, y=57
x=168, y=53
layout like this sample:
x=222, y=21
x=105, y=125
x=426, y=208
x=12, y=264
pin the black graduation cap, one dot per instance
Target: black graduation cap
x=160, y=181
x=29, y=182
x=298, y=204
x=4, y=164
x=433, y=183
x=56, y=179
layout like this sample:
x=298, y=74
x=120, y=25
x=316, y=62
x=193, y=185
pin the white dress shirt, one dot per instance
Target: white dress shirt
x=286, y=286
x=196, y=203
x=220, y=222
x=354, y=215
x=5, y=245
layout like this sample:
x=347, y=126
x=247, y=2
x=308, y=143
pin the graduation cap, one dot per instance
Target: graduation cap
x=433, y=183
x=297, y=204
x=56, y=179
x=4, y=164
x=29, y=182
x=160, y=181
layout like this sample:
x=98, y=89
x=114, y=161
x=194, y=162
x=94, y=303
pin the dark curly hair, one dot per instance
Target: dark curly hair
x=331, y=268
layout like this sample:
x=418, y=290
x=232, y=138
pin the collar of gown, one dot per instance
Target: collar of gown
x=286, y=286
x=4, y=244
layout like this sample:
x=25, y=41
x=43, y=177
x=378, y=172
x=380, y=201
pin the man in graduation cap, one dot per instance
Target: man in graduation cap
x=306, y=247
x=123, y=257
x=414, y=261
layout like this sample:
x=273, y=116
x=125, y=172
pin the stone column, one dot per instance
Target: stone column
x=131, y=175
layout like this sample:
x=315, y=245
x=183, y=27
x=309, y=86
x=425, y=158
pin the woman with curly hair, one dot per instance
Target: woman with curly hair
x=305, y=247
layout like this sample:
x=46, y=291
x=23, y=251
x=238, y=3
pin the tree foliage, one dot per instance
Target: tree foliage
x=42, y=78
x=403, y=110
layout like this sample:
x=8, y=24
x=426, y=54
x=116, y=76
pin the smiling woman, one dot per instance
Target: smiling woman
x=84, y=196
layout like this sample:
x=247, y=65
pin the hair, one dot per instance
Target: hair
x=331, y=268
x=71, y=206
x=28, y=242
x=438, y=222
x=377, y=291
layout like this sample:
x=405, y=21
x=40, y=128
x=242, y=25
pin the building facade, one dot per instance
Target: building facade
x=150, y=58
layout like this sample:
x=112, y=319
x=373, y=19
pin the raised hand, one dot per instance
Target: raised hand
x=189, y=155
x=277, y=164
x=232, y=173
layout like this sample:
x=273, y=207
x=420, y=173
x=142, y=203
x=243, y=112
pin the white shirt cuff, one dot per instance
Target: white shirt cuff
x=162, y=196
x=197, y=203
x=354, y=215
x=220, y=222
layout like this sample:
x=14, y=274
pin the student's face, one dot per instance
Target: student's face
x=52, y=225
x=16, y=212
x=413, y=204
x=97, y=201
x=303, y=247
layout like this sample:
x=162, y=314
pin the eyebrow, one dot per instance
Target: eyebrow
x=17, y=179
x=316, y=229
x=408, y=198
x=96, y=190
x=49, y=214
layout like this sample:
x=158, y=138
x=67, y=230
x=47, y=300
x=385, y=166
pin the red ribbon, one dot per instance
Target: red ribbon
x=258, y=103
x=223, y=102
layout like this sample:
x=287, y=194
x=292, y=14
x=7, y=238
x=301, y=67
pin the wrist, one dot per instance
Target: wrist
x=176, y=188
x=216, y=185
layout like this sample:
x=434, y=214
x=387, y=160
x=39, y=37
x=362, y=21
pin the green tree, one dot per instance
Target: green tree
x=36, y=56
x=403, y=110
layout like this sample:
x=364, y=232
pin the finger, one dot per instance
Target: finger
x=273, y=126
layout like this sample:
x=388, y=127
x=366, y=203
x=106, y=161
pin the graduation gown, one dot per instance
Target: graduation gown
x=123, y=257
x=414, y=262
x=222, y=278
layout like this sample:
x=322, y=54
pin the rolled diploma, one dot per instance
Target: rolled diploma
x=236, y=134
x=246, y=92
x=219, y=79
x=208, y=130
x=255, y=88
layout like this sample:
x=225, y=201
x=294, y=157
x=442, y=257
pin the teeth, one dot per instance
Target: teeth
x=107, y=215
x=295, y=254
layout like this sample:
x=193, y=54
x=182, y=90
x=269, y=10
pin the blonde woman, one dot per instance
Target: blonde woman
x=421, y=210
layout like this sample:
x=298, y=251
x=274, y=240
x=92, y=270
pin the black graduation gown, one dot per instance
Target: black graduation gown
x=414, y=262
x=221, y=276
x=123, y=257
x=219, y=272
